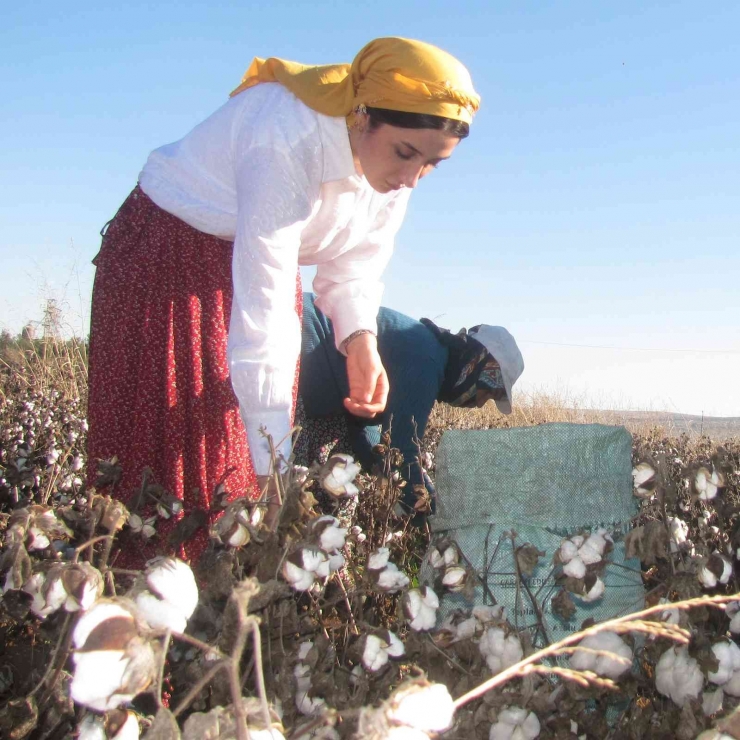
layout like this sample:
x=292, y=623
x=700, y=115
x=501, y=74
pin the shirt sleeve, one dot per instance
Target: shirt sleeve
x=278, y=179
x=348, y=288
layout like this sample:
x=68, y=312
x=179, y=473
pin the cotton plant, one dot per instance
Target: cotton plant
x=604, y=653
x=515, y=723
x=119, y=724
x=385, y=575
x=716, y=571
x=420, y=607
x=168, y=595
x=72, y=587
x=678, y=676
x=113, y=659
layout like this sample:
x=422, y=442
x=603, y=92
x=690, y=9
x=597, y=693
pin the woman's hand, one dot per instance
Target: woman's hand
x=368, y=381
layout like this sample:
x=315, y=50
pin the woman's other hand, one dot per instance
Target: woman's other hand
x=368, y=381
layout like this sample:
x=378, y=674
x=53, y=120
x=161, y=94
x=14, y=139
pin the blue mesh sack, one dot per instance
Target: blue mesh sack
x=499, y=489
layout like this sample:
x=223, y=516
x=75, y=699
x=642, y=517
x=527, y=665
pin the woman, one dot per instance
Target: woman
x=303, y=165
x=424, y=364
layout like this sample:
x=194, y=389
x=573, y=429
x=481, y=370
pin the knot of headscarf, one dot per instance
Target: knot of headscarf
x=470, y=367
x=392, y=73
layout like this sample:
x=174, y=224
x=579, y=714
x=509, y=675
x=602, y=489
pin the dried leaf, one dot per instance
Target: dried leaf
x=563, y=606
x=527, y=557
x=648, y=543
x=18, y=718
x=164, y=727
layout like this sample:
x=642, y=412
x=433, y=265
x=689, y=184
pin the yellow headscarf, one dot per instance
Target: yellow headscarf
x=393, y=73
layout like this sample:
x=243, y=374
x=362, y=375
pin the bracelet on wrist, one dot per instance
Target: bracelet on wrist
x=354, y=335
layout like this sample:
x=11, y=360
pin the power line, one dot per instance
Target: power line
x=636, y=349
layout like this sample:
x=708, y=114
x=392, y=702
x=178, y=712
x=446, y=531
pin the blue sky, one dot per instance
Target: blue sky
x=595, y=203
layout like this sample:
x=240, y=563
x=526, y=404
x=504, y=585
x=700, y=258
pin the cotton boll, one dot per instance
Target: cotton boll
x=299, y=579
x=173, y=581
x=515, y=723
x=404, y=733
x=455, y=578
x=678, y=676
x=568, y=550
x=336, y=561
x=594, y=591
x=712, y=702
x=679, y=530
x=421, y=609
x=485, y=613
x=498, y=650
x=733, y=611
x=395, y=647
x=330, y=535
x=160, y=614
x=575, y=568
x=312, y=559
x=644, y=480
x=670, y=616
x=451, y=555
x=589, y=551
x=728, y=656
x=425, y=707
x=707, y=483
x=309, y=705
x=379, y=559
x=717, y=569
x=390, y=579
x=436, y=560
x=374, y=655
x=615, y=660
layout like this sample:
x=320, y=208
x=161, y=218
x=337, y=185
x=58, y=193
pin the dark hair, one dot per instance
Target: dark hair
x=401, y=119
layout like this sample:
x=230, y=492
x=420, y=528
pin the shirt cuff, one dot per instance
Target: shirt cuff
x=277, y=425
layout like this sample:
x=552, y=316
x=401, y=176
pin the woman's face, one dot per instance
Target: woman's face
x=391, y=158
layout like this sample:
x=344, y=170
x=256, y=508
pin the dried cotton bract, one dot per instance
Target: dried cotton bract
x=515, y=723
x=678, y=676
x=113, y=662
x=338, y=475
x=170, y=596
x=605, y=653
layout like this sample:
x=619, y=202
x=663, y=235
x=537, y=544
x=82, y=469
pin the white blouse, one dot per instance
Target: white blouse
x=278, y=179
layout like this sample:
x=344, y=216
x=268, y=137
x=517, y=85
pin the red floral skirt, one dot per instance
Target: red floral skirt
x=160, y=395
